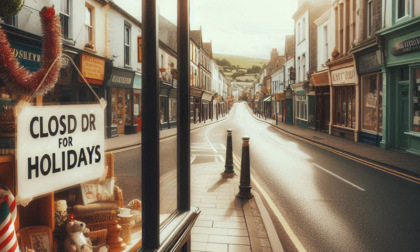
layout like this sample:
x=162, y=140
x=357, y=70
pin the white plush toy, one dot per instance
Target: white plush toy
x=76, y=241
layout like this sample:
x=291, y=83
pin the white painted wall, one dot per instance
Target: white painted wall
x=28, y=20
x=277, y=81
x=302, y=46
x=116, y=40
x=325, y=23
x=287, y=65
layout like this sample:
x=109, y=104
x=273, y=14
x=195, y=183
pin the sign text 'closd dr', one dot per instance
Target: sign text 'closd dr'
x=58, y=147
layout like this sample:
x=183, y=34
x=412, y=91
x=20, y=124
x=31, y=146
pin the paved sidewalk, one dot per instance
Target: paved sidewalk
x=398, y=160
x=123, y=140
x=226, y=223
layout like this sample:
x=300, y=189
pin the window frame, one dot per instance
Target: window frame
x=90, y=27
x=301, y=104
x=127, y=46
x=378, y=108
x=65, y=26
x=407, y=12
x=369, y=18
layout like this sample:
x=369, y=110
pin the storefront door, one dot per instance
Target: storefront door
x=402, y=115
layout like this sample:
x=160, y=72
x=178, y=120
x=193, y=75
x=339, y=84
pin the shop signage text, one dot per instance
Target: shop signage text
x=406, y=46
x=369, y=62
x=58, y=147
x=320, y=79
x=121, y=78
x=92, y=68
x=343, y=76
x=28, y=57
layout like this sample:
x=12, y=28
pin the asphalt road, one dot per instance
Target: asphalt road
x=329, y=202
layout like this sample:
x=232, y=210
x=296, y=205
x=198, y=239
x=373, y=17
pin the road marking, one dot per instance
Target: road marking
x=208, y=140
x=193, y=158
x=340, y=178
x=274, y=208
x=356, y=159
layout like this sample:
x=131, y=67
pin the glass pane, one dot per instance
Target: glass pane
x=65, y=6
x=88, y=17
x=168, y=110
x=416, y=104
x=369, y=102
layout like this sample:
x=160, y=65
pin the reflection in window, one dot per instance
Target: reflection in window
x=416, y=104
x=372, y=103
x=345, y=109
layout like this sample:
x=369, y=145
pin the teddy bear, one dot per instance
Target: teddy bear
x=76, y=241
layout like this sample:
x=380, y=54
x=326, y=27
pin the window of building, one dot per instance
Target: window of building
x=303, y=29
x=12, y=20
x=301, y=107
x=298, y=33
x=402, y=8
x=65, y=18
x=139, y=46
x=325, y=44
x=415, y=100
x=369, y=20
x=345, y=114
x=303, y=68
x=372, y=103
x=89, y=27
x=127, y=32
x=298, y=72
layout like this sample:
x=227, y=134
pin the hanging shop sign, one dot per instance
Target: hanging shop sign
x=137, y=83
x=320, y=79
x=58, y=147
x=343, y=76
x=369, y=62
x=121, y=78
x=406, y=46
x=92, y=68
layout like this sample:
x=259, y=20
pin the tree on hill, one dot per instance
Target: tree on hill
x=223, y=62
x=254, y=69
x=237, y=74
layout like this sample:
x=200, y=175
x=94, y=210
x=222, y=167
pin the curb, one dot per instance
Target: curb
x=268, y=223
x=399, y=169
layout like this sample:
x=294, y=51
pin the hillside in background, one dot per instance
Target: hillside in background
x=243, y=62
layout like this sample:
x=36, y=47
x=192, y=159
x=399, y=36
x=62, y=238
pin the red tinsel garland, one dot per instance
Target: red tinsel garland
x=20, y=81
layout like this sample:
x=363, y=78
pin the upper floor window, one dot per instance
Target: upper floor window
x=89, y=27
x=127, y=31
x=65, y=18
x=369, y=18
x=325, y=44
x=12, y=20
x=303, y=29
x=402, y=8
x=298, y=32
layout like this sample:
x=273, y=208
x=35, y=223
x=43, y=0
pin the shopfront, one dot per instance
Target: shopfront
x=137, y=85
x=288, y=93
x=322, y=100
x=121, y=109
x=369, y=72
x=300, y=107
x=344, y=100
x=206, y=105
x=195, y=105
x=401, y=88
x=280, y=108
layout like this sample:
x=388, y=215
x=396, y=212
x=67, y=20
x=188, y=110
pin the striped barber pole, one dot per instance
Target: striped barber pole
x=8, y=240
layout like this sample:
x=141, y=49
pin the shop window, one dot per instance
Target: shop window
x=301, y=107
x=372, y=103
x=345, y=114
x=65, y=18
x=416, y=103
x=127, y=34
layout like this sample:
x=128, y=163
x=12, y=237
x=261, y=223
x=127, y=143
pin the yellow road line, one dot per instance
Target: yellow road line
x=357, y=159
x=274, y=208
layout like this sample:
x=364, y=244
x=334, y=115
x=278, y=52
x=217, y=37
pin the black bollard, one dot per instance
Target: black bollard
x=245, y=182
x=229, y=158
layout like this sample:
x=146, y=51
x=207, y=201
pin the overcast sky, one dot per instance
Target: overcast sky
x=237, y=27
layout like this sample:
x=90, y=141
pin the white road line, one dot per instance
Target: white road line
x=274, y=208
x=340, y=178
x=223, y=146
x=208, y=140
x=192, y=158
